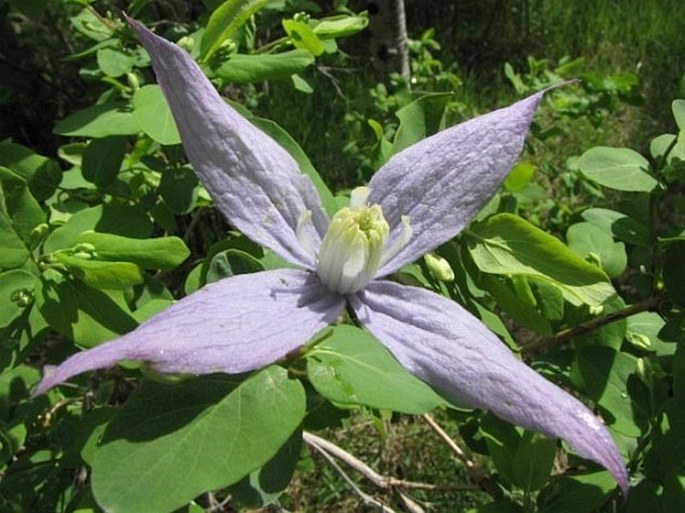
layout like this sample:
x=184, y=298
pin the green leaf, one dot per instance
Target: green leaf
x=597, y=246
x=109, y=218
x=92, y=25
x=231, y=262
x=241, y=68
x=674, y=271
x=97, y=121
x=15, y=285
x=101, y=275
x=423, y=117
x=610, y=335
x=83, y=314
x=522, y=310
x=519, y=176
x=643, y=330
x=285, y=139
x=506, y=244
x=352, y=367
x=678, y=108
x=264, y=485
x=340, y=26
x=225, y=21
x=14, y=253
x=102, y=159
x=42, y=174
x=302, y=36
x=212, y=431
x=383, y=148
x=179, y=189
x=72, y=153
x=152, y=113
x=619, y=225
x=498, y=506
x=114, y=62
x=31, y=8
x=617, y=168
x=502, y=440
x=22, y=208
x=300, y=84
x=533, y=462
x=164, y=253
x=577, y=494
x=603, y=374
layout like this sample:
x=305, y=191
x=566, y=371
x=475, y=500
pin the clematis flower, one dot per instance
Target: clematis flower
x=420, y=199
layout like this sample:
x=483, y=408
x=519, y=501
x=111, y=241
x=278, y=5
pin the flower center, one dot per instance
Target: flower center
x=352, y=248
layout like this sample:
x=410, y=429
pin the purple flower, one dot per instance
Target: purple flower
x=420, y=199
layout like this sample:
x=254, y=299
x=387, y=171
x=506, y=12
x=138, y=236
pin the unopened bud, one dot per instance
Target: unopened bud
x=187, y=43
x=439, y=267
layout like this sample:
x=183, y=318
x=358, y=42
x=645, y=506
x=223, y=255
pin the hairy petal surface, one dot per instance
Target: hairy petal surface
x=234, y=325
x=442, y=181
x=255, y=183
x=448, y=348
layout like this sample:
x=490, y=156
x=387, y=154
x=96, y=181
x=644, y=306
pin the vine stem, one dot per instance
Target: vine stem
x=649, y=304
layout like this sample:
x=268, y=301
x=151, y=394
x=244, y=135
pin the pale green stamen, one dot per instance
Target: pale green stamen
x=352, y=248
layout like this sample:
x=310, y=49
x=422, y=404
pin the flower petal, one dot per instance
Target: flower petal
x=234, y=325
x=442, y=181
x=253, y=180
x=448, y=348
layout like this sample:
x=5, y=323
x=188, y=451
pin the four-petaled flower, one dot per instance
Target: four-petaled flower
x=420, y=199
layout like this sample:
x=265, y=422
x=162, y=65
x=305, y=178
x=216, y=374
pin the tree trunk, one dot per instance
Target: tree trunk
x=388, y=32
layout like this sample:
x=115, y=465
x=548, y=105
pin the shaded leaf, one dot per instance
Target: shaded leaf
x=619, y=225
x=102, y=159
x=40, y=173
x=674, y=271
x=14, y=253
x=179, y=189
x=213, y=431
x=22, y=208
x=577, y=494
x=83, y=314
x=12, y=284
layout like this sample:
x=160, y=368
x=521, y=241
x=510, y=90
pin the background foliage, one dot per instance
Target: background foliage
x=103, y=223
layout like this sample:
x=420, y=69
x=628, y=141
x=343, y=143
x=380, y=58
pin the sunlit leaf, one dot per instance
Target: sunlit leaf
x=352, y=367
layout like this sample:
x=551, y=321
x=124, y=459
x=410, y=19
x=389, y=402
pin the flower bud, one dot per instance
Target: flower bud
x=439, y=267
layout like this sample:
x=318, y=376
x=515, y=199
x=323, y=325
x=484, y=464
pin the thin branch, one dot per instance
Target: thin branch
x=649, y=304
x=458, y=452
x=314, y=441
x=410, y=504
x=381, y=481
